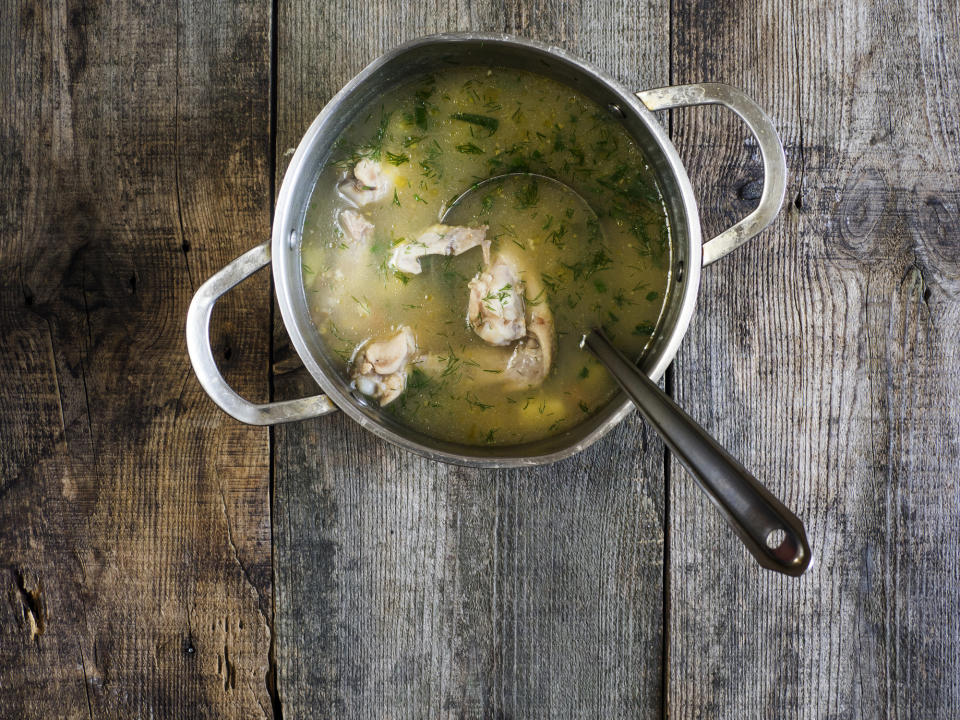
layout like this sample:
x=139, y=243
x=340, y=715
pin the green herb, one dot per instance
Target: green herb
x=412, y=140
x=518, y=244
x=488, y=123
x=613, y=316
x=489, y=438
x=364, y=306
x=470, y=149
x=517, y=116
x=600, y=286
x=419, y=199
x=402, y=277
x=548, y=223
x=396, y=198
x=584, y=372
x=652, y=295
x=644, y=329
x=555, y=423
x=527, y=196
x=551, y=282
x=501, y=296
x=420, y=107
x=594, y=263
x=395, y=159
x=569, y=212
x=377, y=145
x=307, y=268
x=486, y=204
x=412, y=307
x=430, y=165
x=418, y=379
x=495, y=372
x=475, y=402
x=536, y=300
x=583, y=406
x=556, y=236
x=620, y=299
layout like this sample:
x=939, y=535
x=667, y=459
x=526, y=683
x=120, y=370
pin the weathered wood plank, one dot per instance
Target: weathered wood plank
x=823, y=354
x=407, y=588
x=134, y=523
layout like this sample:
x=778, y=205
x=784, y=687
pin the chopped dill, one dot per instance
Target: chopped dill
x=486, y=204
x=584, y=372
x=364, y=304
x=412, y=140
x=556, y=235
x=396, y=198
x=488, y=123
x=419, y=199
x=600, y=285
x=583, y=406
x=489, y=437
x=430, y=165
x=474, y=401
x=402, y=277
x=470, y=149
x=644, y=329
x=652, y=295
x=396, y=159
x=307, y=269
x=620, y=299
x=594, y=263
x=527, y=196
x=501, y=296
x=552, y=282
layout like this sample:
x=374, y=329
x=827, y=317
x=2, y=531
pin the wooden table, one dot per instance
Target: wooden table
x=158, y=559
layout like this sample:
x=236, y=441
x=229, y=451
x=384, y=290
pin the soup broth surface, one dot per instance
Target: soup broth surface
x=592, y=249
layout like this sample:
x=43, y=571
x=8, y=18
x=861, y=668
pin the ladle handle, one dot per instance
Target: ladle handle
x=771, y=532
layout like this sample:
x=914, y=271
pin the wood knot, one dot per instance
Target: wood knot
x=865, y=197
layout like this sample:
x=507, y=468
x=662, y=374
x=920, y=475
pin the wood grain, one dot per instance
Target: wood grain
x=134, y=523
x=407, y=588
x=823, y=354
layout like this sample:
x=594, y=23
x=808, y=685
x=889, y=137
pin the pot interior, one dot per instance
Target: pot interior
x=429, y=55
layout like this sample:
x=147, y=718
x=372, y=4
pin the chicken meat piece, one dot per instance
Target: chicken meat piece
x=355, y=226
x=532, y=358
x=368, y=183
x=495, y=310
x=439, y=240
x=530, y=362
x=380, y=368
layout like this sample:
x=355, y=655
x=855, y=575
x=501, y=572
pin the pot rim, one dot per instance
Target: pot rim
x=283, y=241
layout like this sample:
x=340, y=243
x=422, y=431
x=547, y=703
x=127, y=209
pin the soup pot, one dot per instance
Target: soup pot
x=635, y=113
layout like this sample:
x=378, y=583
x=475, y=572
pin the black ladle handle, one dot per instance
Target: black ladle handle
x=770, y=531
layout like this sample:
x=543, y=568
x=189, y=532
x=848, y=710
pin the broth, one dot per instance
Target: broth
x=591, y=249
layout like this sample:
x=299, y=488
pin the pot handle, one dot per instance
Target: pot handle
x=771, y=150
x=204, y=365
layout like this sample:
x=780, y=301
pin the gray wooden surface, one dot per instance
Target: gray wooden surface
x=825, y=355
x=159, y=560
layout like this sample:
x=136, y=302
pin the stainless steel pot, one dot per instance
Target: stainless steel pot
x=467, y=49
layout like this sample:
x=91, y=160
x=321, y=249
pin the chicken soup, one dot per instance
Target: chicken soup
x=469, y=227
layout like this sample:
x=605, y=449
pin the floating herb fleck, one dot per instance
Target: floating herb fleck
x=397, y=159
x=485, y=121
x=470, y=149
